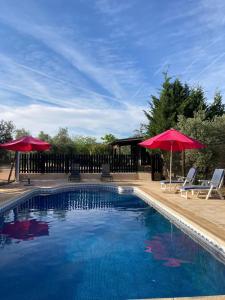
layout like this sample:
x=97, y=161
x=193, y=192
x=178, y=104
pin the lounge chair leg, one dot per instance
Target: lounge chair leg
x=184, y=194
x=220, y=195
x=209, y=193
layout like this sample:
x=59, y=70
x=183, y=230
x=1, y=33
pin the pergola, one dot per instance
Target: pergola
x=134, y=149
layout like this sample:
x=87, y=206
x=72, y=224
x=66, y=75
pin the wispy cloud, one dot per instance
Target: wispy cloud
x=109, y=72
x=90, y=121
x=95, y=94
x=39, y=85
x=112, y=8
x=195, y=48
x=93, y=65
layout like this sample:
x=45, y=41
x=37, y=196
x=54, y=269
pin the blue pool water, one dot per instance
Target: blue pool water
x=99, y=245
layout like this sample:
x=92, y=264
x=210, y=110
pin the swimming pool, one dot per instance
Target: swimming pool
x=98, y=244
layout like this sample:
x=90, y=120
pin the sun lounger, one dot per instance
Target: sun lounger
x=74, y=173
x=189, y=179
x=105, y=175
x=214, y=185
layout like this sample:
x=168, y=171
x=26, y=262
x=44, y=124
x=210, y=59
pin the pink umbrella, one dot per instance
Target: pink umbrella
x=171, y=140
x=24, y=144
x=171, y=249
x=25, y=230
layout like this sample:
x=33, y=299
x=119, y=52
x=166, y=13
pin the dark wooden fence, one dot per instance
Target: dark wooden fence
x=156, y=166
x=60, y=163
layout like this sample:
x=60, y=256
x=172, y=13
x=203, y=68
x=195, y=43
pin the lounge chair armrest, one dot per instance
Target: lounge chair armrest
x=204, y=181
x=181, y=178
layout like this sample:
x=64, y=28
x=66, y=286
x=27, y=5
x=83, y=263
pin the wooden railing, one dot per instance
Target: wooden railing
x=60, y=163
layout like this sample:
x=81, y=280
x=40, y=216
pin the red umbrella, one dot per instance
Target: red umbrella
x=25, y=230
x=170, y=248
x=25, y=144
x=172, y=140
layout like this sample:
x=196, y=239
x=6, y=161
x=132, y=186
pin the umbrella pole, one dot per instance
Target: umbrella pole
x=17, y=166
x=171, y=160
x=11, y=169
x=183, y=162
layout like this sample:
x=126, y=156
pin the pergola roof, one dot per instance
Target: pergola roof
x=127, y=141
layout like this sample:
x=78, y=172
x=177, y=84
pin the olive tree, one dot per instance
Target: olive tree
x=212, y=134
x=6, y=134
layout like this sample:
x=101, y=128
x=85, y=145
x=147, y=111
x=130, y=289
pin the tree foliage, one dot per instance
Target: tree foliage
x=108, y=138
x=186, y=108
x=209, y=132
x=21, y=132
x=62, y=142
x=174, y=99
x=6, y=131
x=44, y=137
x=89, y=145
x=6, y=134
x=177, y=99
x=216, y=108
x=85, y=144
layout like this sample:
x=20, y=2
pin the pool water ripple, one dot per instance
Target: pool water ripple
x=98, y=244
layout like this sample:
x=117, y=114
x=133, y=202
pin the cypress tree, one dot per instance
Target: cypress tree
x=174, y=99
x=217, y=108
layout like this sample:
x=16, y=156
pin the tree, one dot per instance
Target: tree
x=62, y=142
x=6, y=131
x=6, y=134
x=21, y=132
x=44, y=136
x=174, y=99
x=209, y=132
x=108, y=138
x=89, y=145
x=140, y=132
x=194, y=102
x=84, y=144
x=160, y=110
x=217, y=108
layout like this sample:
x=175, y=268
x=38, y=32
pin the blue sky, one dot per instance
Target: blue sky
x=91, y=65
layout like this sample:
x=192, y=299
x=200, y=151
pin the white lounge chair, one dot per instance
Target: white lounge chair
x=208, y=187
x=189, y=179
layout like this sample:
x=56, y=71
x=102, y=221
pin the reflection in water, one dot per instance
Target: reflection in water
x=81, y=200
x=24, y=230
x=171, y=249
x=85, y=244
x=22, y=222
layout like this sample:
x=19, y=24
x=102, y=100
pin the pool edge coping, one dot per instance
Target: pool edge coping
x=208, y=240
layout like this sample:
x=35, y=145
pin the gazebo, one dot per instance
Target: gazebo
x=133, y=149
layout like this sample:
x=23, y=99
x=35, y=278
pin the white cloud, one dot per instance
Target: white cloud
x=92, y=85
x=79, y=109
x=96, y=61
x=69, y=79
x=89, y=121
